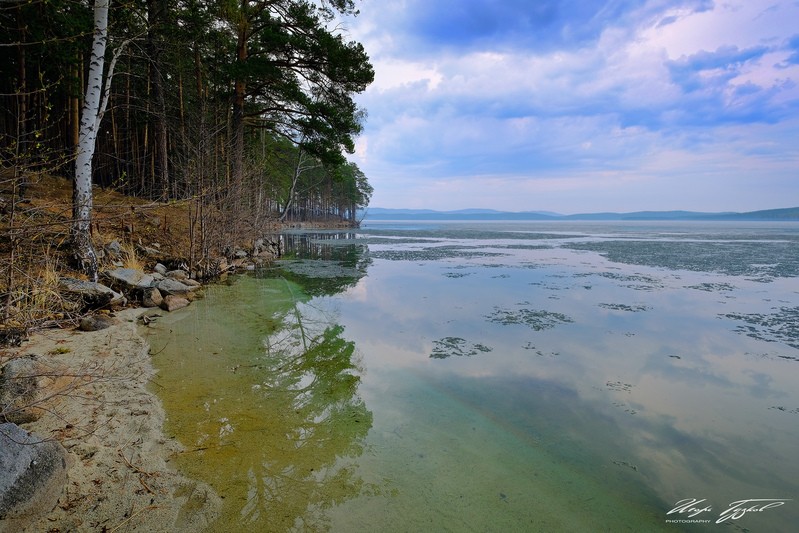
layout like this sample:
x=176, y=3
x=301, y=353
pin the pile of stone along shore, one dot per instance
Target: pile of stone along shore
x=33, y=470
x=164, y=288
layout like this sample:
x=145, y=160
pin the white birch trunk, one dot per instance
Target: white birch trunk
x=89, y=124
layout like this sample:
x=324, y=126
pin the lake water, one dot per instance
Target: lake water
x=497, y=377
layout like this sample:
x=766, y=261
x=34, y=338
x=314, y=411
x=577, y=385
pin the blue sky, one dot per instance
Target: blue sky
x=581, y=105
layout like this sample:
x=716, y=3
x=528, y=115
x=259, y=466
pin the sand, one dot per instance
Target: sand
x=120, y=477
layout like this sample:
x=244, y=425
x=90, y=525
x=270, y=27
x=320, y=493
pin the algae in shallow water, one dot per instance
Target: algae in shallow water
x=537, y=319
x=625, y=307
x=263, y=392
x=449, y=346
x=762, y=258
x=782, y=326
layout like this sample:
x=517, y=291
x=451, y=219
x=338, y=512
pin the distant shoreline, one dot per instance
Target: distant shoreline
x=790, y=214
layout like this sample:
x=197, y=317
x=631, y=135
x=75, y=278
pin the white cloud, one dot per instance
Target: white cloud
x=683, y=100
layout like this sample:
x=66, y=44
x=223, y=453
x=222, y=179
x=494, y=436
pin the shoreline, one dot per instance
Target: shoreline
x=111, y=425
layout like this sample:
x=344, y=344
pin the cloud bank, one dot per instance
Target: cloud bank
x=586, y=105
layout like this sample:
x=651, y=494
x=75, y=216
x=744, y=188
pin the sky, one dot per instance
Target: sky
x=580, y=105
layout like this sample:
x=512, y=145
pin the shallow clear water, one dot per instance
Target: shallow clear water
x=496, y=377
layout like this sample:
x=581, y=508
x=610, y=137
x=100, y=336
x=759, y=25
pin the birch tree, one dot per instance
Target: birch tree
x=98, y=90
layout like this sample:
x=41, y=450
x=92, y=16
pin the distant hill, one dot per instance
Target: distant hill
x=377, y=213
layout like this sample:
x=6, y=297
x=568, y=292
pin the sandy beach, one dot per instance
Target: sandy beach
x=111, y=425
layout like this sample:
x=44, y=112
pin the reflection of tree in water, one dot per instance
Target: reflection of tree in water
x=323, y=263
x=309, y=374
x=278, y=422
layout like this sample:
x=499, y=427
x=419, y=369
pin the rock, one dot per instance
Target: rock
x=96, y=322
x=172, y=286
x=151, y=297
x=33, y=473
x=179, y=275
x=129, y=278
x=161, y=269
x=19, y=390
x=257, y=246
x=92, y=295
x=149, y=251
x=192, y=283
x=113, y=249
x=240, y=254
x=173, y=303
x=11, y=336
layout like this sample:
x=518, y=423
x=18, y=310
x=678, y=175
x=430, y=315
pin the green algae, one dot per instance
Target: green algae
x=265, y=400
x=761, y=260
x=456, y=346
x=713, y=287
x=625, y=307
x=535, y=319
x=781, y=326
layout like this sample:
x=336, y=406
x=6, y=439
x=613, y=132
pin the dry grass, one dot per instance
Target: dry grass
x=130, y=258
x=35, y=251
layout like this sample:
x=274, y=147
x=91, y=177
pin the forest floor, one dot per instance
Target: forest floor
x=100, y=407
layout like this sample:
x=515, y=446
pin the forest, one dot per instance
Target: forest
x=242, y=112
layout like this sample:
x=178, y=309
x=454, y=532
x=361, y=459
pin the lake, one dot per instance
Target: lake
x=497, y=376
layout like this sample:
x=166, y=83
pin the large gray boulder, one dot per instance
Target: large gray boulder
x=90, y=293
x=33, y=473
x=19, y=390
x=129, y=278
x=173, y=286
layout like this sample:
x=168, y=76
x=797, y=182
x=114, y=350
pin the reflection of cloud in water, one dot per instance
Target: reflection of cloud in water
x=585, y=393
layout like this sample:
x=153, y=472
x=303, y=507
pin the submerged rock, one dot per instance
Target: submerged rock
x=33, y=473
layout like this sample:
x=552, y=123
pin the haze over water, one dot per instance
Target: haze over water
x=497, y=377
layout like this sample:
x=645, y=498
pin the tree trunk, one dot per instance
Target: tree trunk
x=239, y=95
x=89, y=124
x=155, y=14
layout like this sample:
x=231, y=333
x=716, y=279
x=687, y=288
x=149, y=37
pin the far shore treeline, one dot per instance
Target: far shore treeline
x=245, y=106
x=377, y=213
